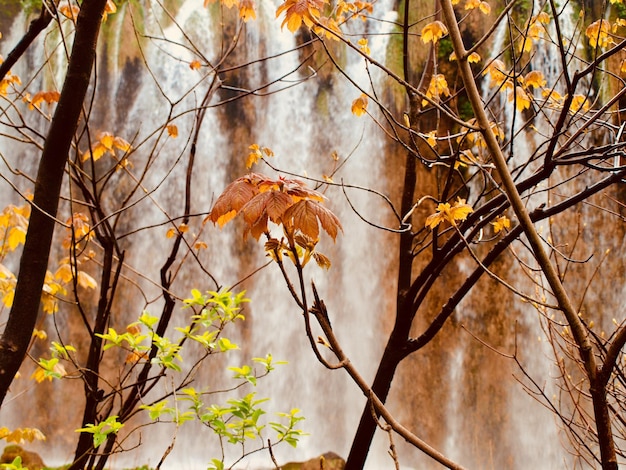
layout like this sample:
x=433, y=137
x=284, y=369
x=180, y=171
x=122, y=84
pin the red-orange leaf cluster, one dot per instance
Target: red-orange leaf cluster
x=284, y=201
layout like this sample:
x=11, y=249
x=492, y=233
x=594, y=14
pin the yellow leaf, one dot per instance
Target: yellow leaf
x=172, y=130
x=502, y=222
x=300, y=11
x=459, y=211
x=171, y=232
x=246, y=10
x=522, y=100
x=535, y=79
x=194, y=65
x=434, y=31
x=526, y=45
x=359, y=106
x=598, y=34
x=553, y=96
x=543, y=18
x=7, y=298
x=107, y=139
x=321, y=260
x=484, y=7
x=47, y=97
x=363, y=46
x=254, y=156
x=438, y=86
x=16, y=237
x=40, y=334
x=69, y=10
x=86, y=281
x=20, y=435
x=473, y=58
x=109, y=9
x=579, y=102
x=121, y=144
x=496, y=70
x=200, y=245
x=431, y=138
x=439, y=216
x=618, y=23
x=64, y=273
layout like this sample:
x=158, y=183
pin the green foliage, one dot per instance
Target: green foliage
x=289, y=433
x=102, y=430
x=235, y=422
x=15, y=465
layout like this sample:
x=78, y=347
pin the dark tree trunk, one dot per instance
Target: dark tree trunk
x=34, y=262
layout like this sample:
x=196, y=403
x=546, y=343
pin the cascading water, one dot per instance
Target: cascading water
x=303, y=125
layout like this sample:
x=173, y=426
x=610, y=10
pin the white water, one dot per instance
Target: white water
x=354, y=290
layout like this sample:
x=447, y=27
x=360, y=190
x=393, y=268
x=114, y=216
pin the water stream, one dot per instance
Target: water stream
x=461, y=397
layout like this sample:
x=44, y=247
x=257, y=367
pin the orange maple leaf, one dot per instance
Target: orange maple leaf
x=235, y=196
x=300, y=11
x=304, y=215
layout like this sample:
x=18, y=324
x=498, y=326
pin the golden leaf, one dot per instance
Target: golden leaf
x=64, y=273
x=171, y=232
x=194, y=65
x=496, y=70
x=431, y=138
x=485, y=8
x=359, y=106
x=459, y=211
x=200, y=245
x=328, y=27
x=474, y=58
x=16, y=237
x=434, y=31
x=543, y=18
x=172, y=130
x=300, y=11
x=47, y=97
x=438, y=86
x=321, y=260
x=109, y=9
x=246, y=10
x=40, y=334
x=363, y=46
x=579, y=102
x=69, y=10
x=535, y=79
x=502, y=222
x=121, y=144
x=86, y=281
x=522, y=100
x=20, y=435
x=598, y=34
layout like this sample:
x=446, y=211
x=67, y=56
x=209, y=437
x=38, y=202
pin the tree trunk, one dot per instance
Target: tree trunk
x=34, y=261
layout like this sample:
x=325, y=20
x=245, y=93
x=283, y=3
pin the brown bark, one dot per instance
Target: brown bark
x=34, y=261
x=36, y=26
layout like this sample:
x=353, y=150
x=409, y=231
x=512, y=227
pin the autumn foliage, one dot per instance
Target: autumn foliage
x=285, y=202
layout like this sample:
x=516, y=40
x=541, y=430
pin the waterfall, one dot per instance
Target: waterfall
x=458, y=395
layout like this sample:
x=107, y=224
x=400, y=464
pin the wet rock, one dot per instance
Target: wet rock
x=327, y=461
x=29, y=459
